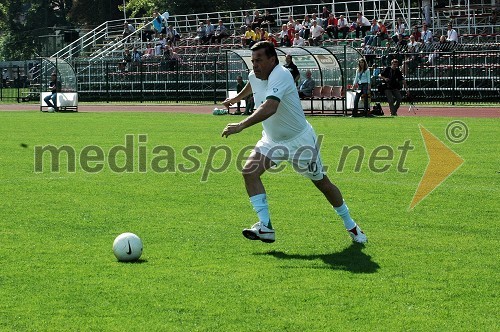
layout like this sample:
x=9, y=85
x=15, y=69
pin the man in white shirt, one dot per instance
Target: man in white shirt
x=426, y=34
x=316, y=34
x=342, y=26
x=286, y=136
x=298, y=40
x=452, y=35
x=362, y=24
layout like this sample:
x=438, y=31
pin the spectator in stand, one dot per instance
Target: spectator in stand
x=268, y=21
x=387, y=54
x=343, y=26
x=272, y=39
x=257, y=20
x=292, y=68
x=210, y=30
x=261, y=34
x=298, y=40
x=148, y=52
x=362, y=24
x=401, y=48
x=286, y=42
x=291, y=31
x=416, y=33
x=247, y=21
x=427, y=37
x=317, y=32
x=362, y=85
x=412, y=58
x=331, y=27
x=373, y=32
x=201, y=34
x=400, y=30
x=127, y=31
x=306, y=27
x=439, y=47
x=426, y=9
x=249, y=38
x=325, y=15
x=394, y=79
x=291, y=20
x=127, y=56
x=172, y=35
x=307, y=86
x=136, y=55
x=147, y=31
x=220, y=33
x=452, y=35
x=382, y=33
x=297, y=28
x=319, y=20
x=283, y=32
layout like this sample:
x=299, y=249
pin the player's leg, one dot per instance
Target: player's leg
x=48, y=100
x=255, y=166
x=334, y=197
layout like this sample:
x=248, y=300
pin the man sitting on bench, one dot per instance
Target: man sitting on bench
x=54, y=87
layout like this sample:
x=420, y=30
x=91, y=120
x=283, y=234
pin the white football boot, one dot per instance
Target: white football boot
x=259, y=232
x=357, y=235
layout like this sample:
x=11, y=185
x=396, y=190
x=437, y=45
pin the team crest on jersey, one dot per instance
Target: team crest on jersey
x=275, y=90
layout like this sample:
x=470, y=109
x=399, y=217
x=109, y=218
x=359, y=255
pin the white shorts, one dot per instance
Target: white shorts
x=302, y=152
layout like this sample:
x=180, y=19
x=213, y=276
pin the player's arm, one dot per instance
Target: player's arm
x=264, y=111
x=247, y=90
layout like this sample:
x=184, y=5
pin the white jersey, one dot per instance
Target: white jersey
x=289, y=120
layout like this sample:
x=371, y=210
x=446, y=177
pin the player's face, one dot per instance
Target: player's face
x=262, y=64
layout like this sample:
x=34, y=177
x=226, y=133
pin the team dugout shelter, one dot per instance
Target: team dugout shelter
x=67, y=98
x=333, y=69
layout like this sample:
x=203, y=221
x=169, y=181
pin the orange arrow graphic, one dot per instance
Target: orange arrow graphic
x=442, y=163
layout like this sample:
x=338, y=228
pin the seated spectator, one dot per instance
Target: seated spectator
x=316, y=34
x=325, y=15
x=291, y=31
x=285, y=42
x=412, y=57
x=343, y=26
x=400, y=30
x=127, y=57
x=201, y=34
x=147, y=31
x=362, y=24
x=127, y=31
x=249, y=38
x=452, y=35
x=297, y=40
x=283, y=32
x=373, y=32
x=427, y=37
x=272, y=39
x=332, y=26
x=257, y=20
x=307, y=86
x=319, y=20
x=439, y=47
x=262, y=34
x=416, y=33
x=148, y=52
x=220, y=33
x=268, y=21
x=382, y=33
x=210, y=30
x=247, y=21
x=136, y=55
x=298, y=28
x=306, y=27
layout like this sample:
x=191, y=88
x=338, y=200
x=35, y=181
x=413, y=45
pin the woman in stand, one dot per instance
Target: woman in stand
x=362, y=86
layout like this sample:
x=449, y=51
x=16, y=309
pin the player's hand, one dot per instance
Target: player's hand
x=232, y=128
x=228, y=102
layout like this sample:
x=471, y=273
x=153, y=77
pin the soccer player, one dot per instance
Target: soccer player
x=286, y=136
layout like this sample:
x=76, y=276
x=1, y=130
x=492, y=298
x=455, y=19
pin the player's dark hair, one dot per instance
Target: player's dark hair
x=269, y=49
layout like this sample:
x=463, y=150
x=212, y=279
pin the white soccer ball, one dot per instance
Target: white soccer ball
x=127, y=247
x=51, y=109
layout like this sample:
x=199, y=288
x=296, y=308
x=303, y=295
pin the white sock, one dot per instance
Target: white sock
x=259, y=203
x=343, y=212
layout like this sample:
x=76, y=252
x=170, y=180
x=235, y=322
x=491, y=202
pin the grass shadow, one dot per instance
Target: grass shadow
x=351, y=259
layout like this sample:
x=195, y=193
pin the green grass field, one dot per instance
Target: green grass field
x=433, y=268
